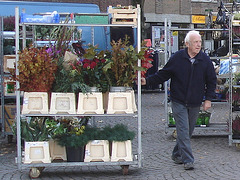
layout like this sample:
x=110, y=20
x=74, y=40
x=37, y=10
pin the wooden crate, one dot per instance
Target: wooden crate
x=123, y=15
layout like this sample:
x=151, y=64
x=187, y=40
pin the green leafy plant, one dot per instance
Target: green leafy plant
x=122, y=66
x=72, y=132
x=119, y=132
x=67, y=80
x=36, y=128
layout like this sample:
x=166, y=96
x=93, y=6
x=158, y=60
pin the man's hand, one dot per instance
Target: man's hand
x=143, y=81
x=206, y=105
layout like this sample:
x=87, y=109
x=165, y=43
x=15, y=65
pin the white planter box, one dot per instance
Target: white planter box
x=97, y=150
x=57, y=152
x=9, y=61
x=120, y=103
x=37, y=152
x=63, y=103
x=121, y=151
x=35, y=103
x=91, y=103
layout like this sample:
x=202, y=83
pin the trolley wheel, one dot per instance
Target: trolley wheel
x=238, y=146
x=125, y=169
x=10, y=138
x=41, y=169
x=174, y=134
x=34, y=173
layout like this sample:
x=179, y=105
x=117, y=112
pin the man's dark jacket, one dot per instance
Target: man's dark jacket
x=190, y=83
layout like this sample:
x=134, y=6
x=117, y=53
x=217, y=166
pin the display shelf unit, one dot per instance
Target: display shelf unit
x=6, y=98
x=36, y=167
x=214, y=128
x=231, y=86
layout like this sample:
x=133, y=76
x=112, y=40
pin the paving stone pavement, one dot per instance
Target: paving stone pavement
x=214, y=158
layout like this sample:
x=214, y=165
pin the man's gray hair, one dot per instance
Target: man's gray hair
x=187, y=38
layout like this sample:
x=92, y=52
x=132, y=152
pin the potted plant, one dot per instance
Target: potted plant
x=118, y=139
x=88, y=68
x=37, y=70
x=74, y=135
x=36, y=134
x=123, y=63
x=236, y=128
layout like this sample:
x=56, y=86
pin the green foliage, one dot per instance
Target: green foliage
x=123, y=63
x=36, y=128
x=72, y=132
x=119, y=132
x=73, y=140
x=68, y=81
x=63, y=35
x=43, y=32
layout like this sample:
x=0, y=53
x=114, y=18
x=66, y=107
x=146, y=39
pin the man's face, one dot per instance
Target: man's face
x=194, y=45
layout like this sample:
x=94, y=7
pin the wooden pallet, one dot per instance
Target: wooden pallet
x=123, y=15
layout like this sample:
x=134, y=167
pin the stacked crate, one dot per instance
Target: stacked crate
x=123, y=14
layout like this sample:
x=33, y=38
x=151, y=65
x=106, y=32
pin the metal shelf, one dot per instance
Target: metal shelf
x=78, y=115
x=60, y=164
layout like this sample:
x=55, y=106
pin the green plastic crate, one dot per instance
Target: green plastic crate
x=86, y=19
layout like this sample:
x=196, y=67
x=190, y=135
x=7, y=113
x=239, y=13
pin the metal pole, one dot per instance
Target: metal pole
x=2, y=80
x=19, y=156
x=92, y=34
x=165, y=83
x=230, y=81
x=139, y=89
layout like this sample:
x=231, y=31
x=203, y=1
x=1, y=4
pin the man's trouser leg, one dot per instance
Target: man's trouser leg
x=185, y=118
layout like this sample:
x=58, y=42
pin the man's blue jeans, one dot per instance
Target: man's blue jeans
x=185, y=118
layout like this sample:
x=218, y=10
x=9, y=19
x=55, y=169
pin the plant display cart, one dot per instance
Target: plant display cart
x=36, y=168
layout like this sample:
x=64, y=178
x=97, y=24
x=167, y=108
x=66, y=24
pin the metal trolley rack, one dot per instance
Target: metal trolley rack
x=215, y=128
x=35, y=168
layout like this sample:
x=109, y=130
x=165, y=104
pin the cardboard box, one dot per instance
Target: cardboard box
x=8, y=123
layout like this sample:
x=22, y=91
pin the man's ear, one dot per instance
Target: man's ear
x=187, y=44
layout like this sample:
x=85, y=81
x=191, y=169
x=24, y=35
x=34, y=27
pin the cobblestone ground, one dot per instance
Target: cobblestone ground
x=214, y=158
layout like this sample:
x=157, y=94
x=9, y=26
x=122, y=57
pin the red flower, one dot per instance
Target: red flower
x=93, y=65
x=86, y=65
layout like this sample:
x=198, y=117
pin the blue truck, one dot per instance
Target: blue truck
x=102, y=35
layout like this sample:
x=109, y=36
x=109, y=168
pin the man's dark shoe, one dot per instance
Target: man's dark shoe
x=177, y=160
x=188, y=166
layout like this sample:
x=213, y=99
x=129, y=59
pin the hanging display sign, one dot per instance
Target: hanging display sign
x=198, y=19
